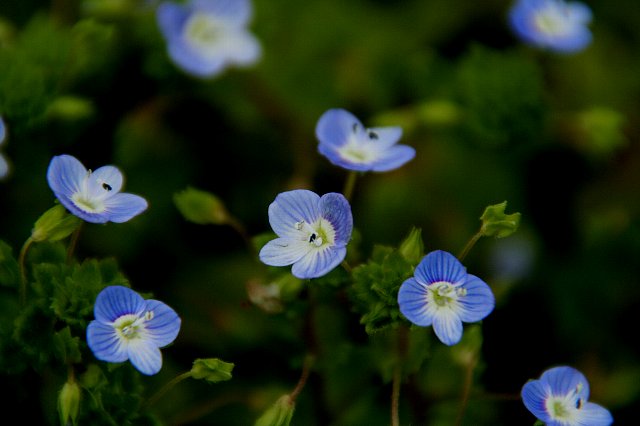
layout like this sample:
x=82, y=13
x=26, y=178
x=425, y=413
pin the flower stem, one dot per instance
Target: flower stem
x=75, y=236
x=166, y=388
x=306, y=370
x=466, y=390
x=23, y=270
x=350, y=184
x=470, y=245
x=395, y=396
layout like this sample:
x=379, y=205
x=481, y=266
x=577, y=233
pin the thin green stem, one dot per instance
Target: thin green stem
x=167, y=387
x=395, y=396
x=470, y=245
x=466, y=391
x=75, y=236
x=350, y=184
x=242, y=231
x=23, y=270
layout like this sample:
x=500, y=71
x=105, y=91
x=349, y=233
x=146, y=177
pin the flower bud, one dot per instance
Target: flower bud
x=279, y=414
x=55, y=224
x=69, y=403
x=212, y=370
x=412, y=248
x=201, y=207
x=495, y=223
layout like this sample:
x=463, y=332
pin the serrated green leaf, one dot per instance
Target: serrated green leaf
x=67, y=347
x=9, y=269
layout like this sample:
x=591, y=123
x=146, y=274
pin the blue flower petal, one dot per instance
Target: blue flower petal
x=65, y=175
x=335, y=208
x=171, y=19
x=317, y=263
x=116, y=301
x=594, y=415
x=104, y=342
x=105, y=181
x=4, y=167
x=393, y=158
x=284, y=251
x=291, y=207
x=563, y=380
x=145, y=356
x=335, y=127
x=123, y=206
x=440, y=266
x=164, y=326
x=478, y=302
x=534, y=395
x=234, y=12
x=3, y=131
x=412, y=300
x=447, y=326
x=193, y=62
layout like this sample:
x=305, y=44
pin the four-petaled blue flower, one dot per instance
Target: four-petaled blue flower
x=127, y=327
x=92, y=196
x=559, y=398
x=442, y=294
x=552, y=24
x=313, y=232
x=206, y=36
x=348, y=144
x=4, y=165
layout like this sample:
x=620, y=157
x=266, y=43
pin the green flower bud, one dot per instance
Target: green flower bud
x=55, y=224
x=201, y=207
x=212, y=370
x=69, y=403
x=495, y=223
x=70, y=108
x=412, y=248
x=279, y=414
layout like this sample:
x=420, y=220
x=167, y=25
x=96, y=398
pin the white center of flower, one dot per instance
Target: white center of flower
x=317, y=234
x=131, y=326
x=90, y=197
x=445, y=294
x=565, y=408
x=360, y=147
x=204, y=32
x=552, y=21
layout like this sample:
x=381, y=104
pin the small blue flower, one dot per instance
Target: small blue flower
x=443, y=295
x=206, y=36
x=559, y=398
x=4, y=165
x=92, y=196
x=552, y=24
x=127, y=327
x=313, y=232
x=348, y=144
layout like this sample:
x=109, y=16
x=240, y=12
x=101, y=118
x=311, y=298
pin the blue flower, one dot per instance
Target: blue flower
x=348, y=144
x=92, y=196
x=559, y=398
x=127, y=327
x=4, y=165
x=313, y=232
x=206, y=36
x=443, y=295
x=552, y=24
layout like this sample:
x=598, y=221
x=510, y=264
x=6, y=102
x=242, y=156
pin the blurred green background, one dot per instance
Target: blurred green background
x=491, y=120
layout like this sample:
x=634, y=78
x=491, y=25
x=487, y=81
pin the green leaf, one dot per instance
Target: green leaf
x=212, y=370
x=201, y=207
x=495, y=223
x=66, y=347
x=9, y=269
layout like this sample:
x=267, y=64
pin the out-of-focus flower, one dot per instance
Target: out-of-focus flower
x=552, y=24
x=313, y=232
x=443, y=295
x=4, y=165
x=127, y=327
x=559, y=398
x=348, y=144
x=204, y=37
x=92, y=196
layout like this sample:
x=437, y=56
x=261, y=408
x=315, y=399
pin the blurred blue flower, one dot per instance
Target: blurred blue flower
x=4, y=165
x=92, y=196
x=206, y=36
x=348, y=144
x=552, y=24
x=313, y=232
x=127, y=327
x=559, y=398
x=443, y=295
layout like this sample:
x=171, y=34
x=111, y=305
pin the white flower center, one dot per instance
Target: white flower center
x=445, y=294
x=552, y=21
x=360, y=147
x=204, y=32
x=565, y=408
x=90, y=197
x=318, y=234
x=131, y=326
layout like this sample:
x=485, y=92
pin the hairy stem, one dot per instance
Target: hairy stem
x=166, y=388
x=469, y=245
